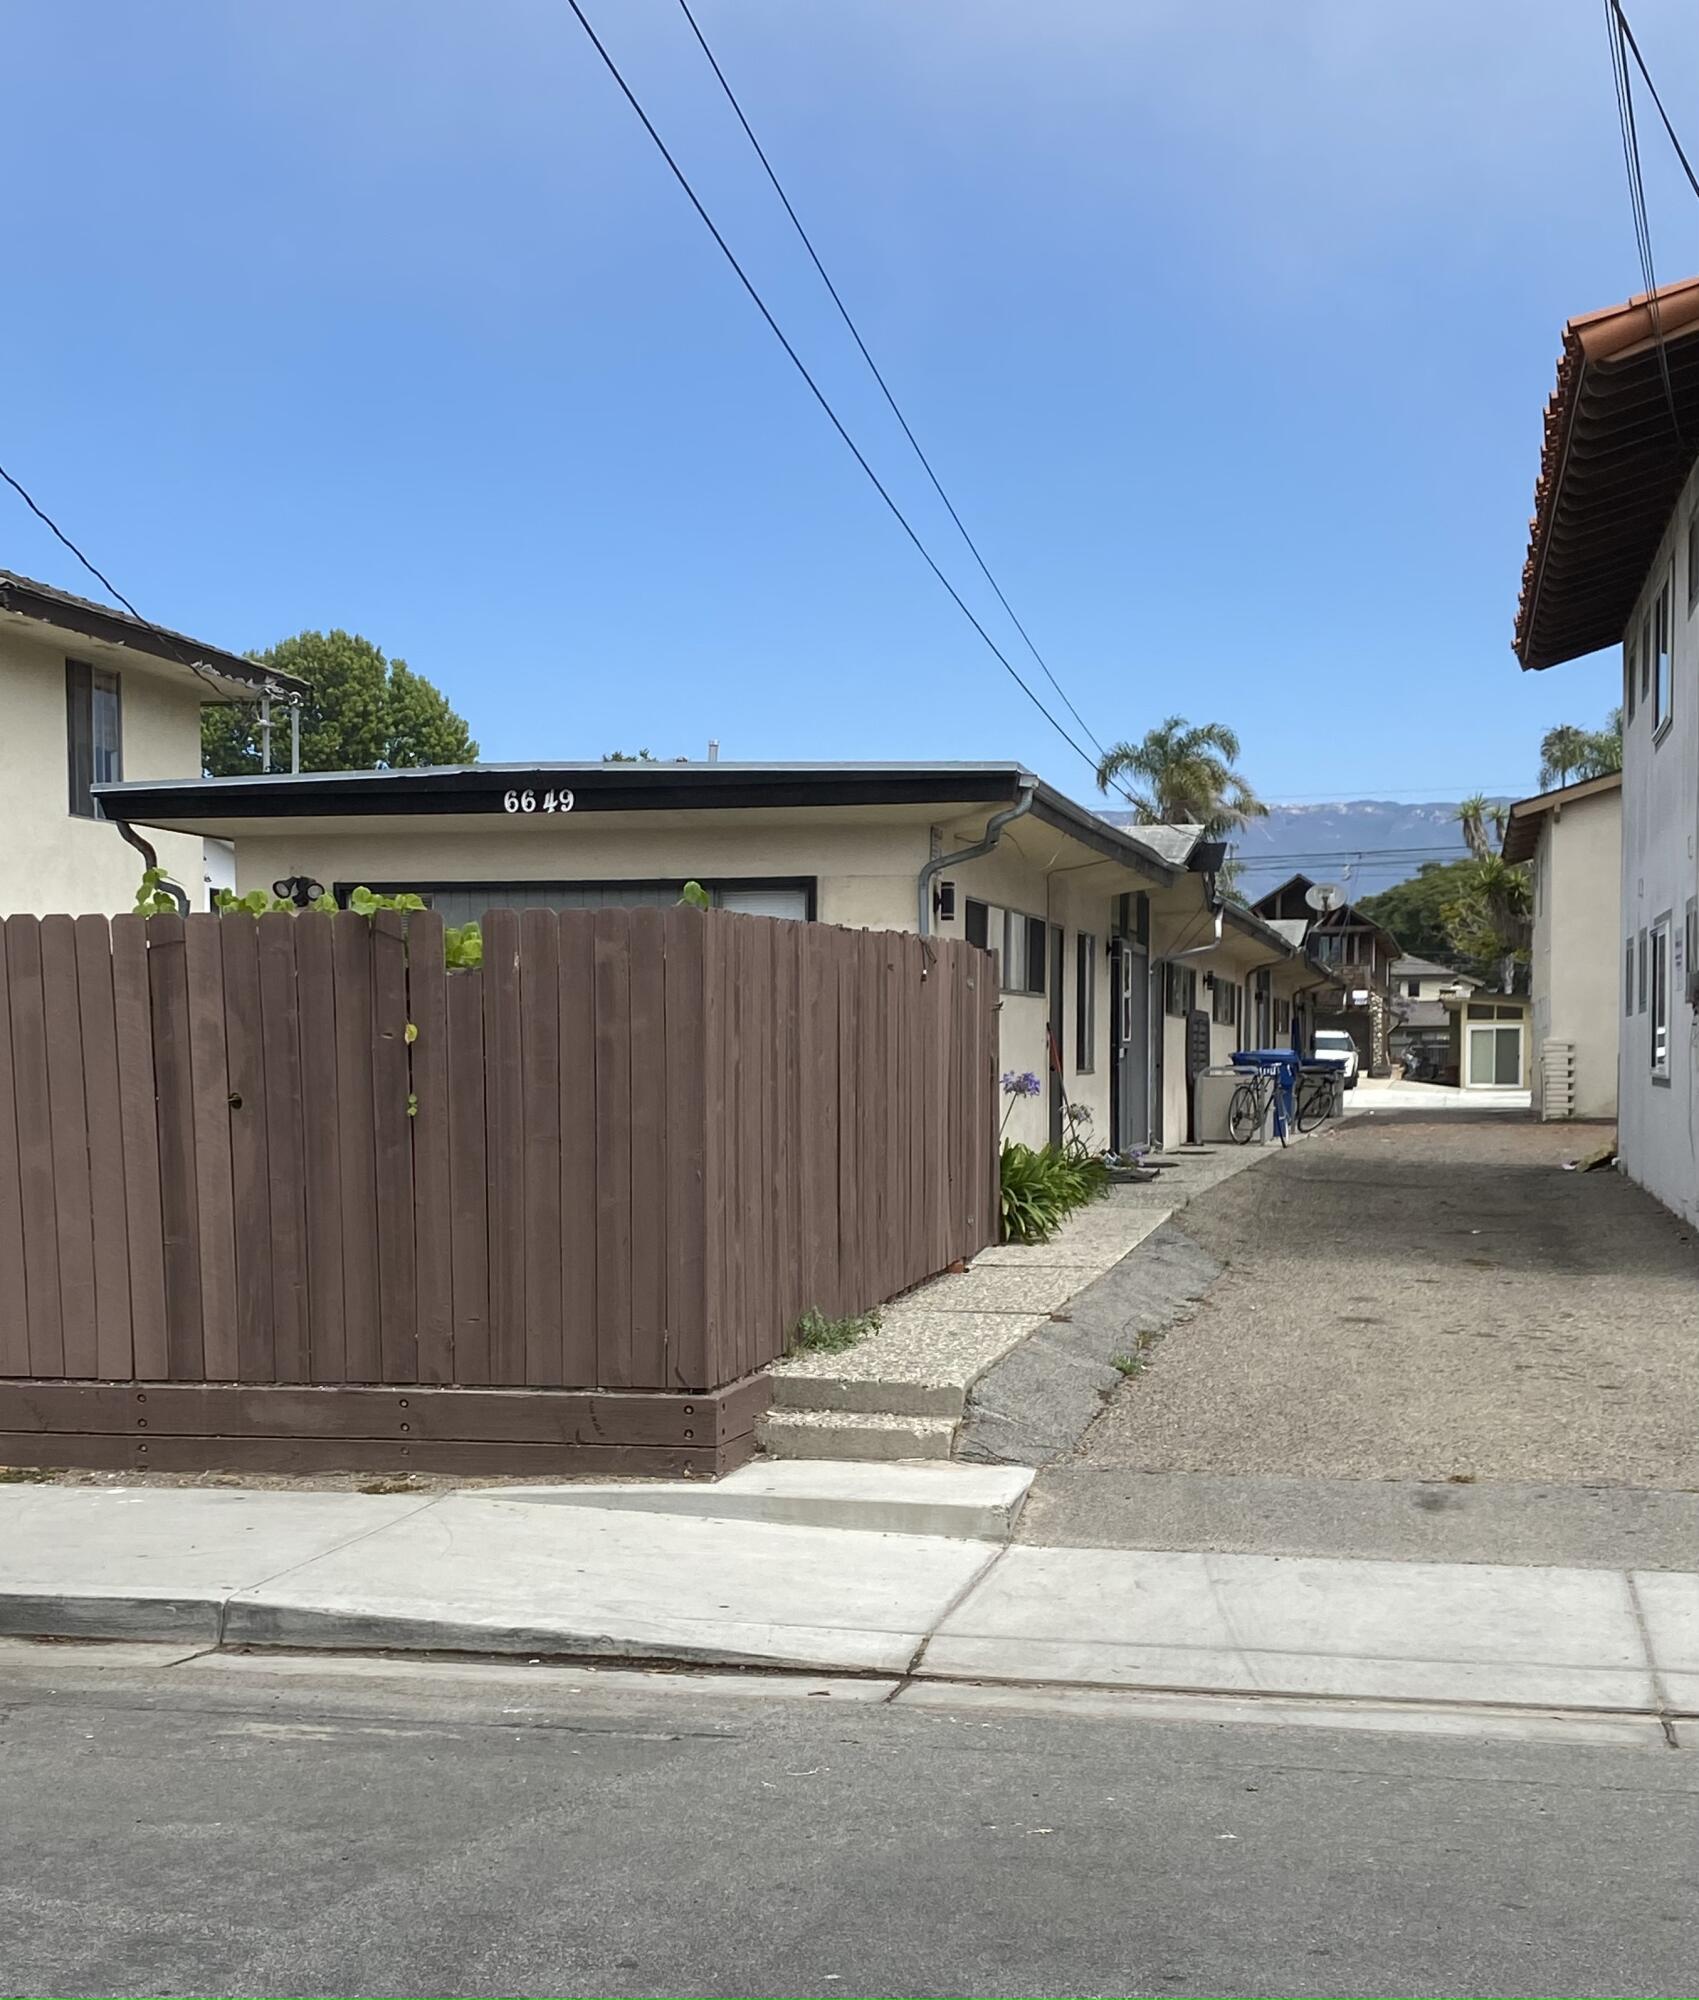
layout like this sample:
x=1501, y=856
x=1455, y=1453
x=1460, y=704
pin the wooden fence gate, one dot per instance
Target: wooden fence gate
x=283, y=1192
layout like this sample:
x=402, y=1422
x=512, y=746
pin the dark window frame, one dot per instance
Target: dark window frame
x=1663, y=668
x=84, y=683
x=1085, y=1003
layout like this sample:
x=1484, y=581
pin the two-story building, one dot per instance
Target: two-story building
x=1613, y=561
x=1123, y=969
x=91, y=696
x=1571, y=840
x=1421, y=1025
x=1359, y=953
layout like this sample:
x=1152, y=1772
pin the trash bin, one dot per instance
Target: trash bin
x=1213, y=1097
x=1286, y=1062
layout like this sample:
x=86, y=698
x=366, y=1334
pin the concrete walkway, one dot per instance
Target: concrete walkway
x=510, y=1575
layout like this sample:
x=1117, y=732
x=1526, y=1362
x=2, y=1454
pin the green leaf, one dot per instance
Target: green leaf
x=411, y=1033
x=695, y=895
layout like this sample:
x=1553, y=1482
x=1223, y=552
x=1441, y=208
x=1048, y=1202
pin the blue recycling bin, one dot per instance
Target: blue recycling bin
x=1284, y=1063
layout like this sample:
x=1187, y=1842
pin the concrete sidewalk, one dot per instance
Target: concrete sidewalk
x=511, y=1574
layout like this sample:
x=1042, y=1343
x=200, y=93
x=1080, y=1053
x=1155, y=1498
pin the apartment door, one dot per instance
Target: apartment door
x=1129, y=1045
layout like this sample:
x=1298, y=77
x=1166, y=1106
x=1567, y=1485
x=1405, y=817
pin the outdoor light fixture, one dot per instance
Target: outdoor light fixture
x=301, y=890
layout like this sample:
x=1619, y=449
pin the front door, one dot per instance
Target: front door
x=1129, y=1047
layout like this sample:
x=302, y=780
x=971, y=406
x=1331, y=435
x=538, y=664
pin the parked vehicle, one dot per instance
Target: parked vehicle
x=1334, y=1045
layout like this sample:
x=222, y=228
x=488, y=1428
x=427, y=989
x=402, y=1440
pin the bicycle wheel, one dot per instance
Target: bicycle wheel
x=1244, y=1114
x=1315, y=1102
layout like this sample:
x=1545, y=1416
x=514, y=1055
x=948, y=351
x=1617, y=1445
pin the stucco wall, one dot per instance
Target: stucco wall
x=57, y=862
x=1577, y=971
x=1656, y=1121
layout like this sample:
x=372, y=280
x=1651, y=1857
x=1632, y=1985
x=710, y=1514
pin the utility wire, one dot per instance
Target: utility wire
x=1640, y=63
x=1616, y=23
x=108, y=585
x=884, y=386
x=797, y=362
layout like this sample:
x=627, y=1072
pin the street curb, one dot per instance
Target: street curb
x=100, y=1615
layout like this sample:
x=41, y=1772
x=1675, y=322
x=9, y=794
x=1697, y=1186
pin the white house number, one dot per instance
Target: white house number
x=530, y=802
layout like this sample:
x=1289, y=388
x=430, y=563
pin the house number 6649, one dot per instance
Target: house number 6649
x=529, y=802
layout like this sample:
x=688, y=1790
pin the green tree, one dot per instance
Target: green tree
x=1182, y=775
x=1488, y=919
x=364, y=713
x=629, y=757
x=1568, y=754
x=1414, y=911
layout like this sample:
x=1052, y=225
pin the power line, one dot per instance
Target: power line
x=1640, y=64
x=108, y=585
x=1616, y=24
x=884, y=386
x=819, y=395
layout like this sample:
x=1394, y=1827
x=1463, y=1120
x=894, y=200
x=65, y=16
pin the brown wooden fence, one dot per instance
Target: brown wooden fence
x=609, y=1171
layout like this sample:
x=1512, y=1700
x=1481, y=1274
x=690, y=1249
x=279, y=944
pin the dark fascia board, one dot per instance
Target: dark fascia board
x=86, y=620
x=599, y=787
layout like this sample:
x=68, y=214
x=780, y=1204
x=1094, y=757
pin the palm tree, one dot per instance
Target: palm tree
x=1183, y=775
x=1483, y=826
x=1563, y=751
x=1567, y=752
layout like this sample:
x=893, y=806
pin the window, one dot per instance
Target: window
x=1662, y=669
x=1646, y=657
x=1224, y=1003
x=1085, y=1003
x=1179, y=989
x=94, y=733
x=1628, y=978
x=1660, y=969
x=1412, y=989
x=1642, y=958
x=1630, y=673
x=1693, y=562
x=1282, y=1017
x=1014, y=940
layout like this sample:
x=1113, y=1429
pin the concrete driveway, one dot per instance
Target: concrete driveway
x=1429, y=1339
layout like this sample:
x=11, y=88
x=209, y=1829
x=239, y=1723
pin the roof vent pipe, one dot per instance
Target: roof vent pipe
x=993, y=833
x=713, y=749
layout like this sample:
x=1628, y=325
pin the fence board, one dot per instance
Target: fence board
x=14, y=1290
x=356, y=1146
x=214, y=1192
x=504, y=1116
x=685, y=1320
x=716, y=1331
x=539, y=1032
x=250, y=1161
x=392, y=1150
x=140, y=1135
x=651, y=1087
x=433, y=1212
x=577, y=997
x=612, y=972
x=98, y=1027
x=285, y=1175
x=72, y=1214
x=168, y=981
x=321, y=1146
x=468, y=1180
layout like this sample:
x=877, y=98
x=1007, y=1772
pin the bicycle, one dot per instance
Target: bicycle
x=1315, y=1100
x=1249, y=1105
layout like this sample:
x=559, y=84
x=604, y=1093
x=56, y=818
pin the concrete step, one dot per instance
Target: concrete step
x=916, y=1497
x=867, y=1395
x=854, y=1434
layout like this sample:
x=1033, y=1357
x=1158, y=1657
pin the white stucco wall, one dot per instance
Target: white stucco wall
x=55, y=861
x=1656, y=1121
x=1577, y=975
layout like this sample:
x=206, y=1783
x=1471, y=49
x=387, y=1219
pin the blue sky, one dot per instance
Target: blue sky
x=1228, y=326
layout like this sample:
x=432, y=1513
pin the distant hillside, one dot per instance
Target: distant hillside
x=1365, y=845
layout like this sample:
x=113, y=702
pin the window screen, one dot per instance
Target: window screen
x=94, y=737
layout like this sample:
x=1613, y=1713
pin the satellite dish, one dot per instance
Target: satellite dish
x=1323, y=896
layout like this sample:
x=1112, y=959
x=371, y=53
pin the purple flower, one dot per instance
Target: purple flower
x=1021, y=1083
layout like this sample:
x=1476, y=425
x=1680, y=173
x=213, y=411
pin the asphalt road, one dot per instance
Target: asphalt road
x=203, y=1830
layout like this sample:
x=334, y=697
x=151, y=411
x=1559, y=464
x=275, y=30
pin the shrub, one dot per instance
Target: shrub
x=1043, y=1185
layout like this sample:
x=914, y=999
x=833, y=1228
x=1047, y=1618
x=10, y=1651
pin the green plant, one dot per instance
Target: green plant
x=153, y=899
x=695, y=895
x=26, y=1475
x=1041, y=1186
x=1127, y=1364
x=818, y=1333
x=462, y=944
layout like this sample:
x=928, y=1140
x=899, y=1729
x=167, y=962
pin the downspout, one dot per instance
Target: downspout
x=993, y=833
x=150, y=859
